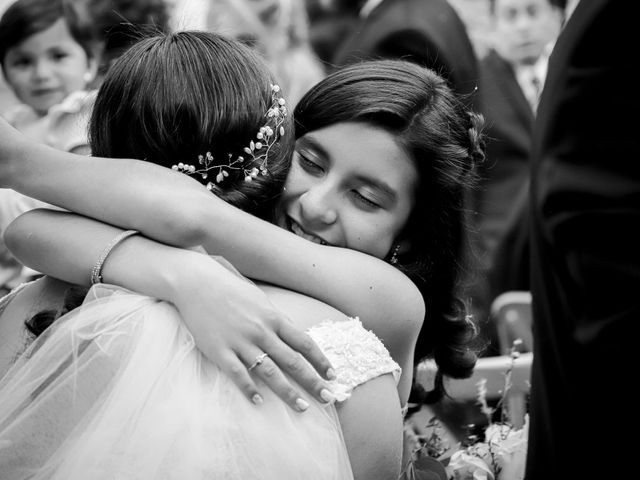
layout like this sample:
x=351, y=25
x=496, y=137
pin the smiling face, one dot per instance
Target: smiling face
x=46, y=67
x=350, y=185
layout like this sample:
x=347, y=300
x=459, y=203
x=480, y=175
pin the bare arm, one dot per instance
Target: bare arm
x=65, y=243
x=175, y=209
x=372, y=428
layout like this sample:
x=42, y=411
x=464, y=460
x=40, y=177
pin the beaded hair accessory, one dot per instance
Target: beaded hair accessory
x=257, y=151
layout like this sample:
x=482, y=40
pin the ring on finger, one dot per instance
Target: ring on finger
x=258, y=361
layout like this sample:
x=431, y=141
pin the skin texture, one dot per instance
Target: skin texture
x=46, y=67
x=350, y=186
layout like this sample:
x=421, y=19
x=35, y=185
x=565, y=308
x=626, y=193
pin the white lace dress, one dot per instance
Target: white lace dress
x=117, y=390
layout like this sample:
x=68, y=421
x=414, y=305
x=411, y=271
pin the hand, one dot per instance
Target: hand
x=233, y=323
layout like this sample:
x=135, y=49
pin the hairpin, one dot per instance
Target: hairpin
x=258, y=150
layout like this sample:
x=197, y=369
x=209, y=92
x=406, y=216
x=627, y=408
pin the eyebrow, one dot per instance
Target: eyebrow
x=309, y=141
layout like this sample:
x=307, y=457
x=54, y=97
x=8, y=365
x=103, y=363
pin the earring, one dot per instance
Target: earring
x=394, y=256
x=87, y=77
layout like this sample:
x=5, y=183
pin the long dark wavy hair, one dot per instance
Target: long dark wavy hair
x=433, y=126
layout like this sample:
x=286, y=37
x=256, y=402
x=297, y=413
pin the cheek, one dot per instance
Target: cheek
x=297, y=183
x=16, y=79
x=367, y=235
x=72, y=76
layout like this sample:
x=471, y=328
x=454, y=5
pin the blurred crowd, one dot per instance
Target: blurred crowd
x=493, y=52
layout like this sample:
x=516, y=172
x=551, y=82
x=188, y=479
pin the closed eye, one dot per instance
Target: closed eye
x=366, y=202
x=309, y=165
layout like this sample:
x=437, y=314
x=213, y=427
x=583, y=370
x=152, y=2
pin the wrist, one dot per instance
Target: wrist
x=182, y=274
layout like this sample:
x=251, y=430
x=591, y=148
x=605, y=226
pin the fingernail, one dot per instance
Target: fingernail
x=302, y=404
x=327, y=395
x=257, y=399
x=331, y=374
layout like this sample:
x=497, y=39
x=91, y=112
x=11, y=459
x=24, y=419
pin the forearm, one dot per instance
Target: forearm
x=126, y=193
x=66, y=246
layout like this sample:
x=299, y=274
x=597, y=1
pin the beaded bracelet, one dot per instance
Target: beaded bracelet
x=96, y=271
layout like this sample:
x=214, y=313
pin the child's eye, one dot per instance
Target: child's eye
x=21, y=62
x=308, y=164
x=59, y=55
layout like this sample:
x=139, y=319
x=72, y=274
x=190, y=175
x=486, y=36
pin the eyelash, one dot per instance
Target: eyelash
x=308, y=164
x=365, y=200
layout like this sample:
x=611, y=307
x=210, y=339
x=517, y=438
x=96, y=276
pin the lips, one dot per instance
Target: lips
x=40, y=92
x=294, y=227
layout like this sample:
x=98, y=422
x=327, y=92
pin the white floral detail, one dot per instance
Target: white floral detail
x=257, y=152
x=355, y=353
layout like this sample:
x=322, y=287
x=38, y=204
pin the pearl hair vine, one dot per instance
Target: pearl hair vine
x=258, y=150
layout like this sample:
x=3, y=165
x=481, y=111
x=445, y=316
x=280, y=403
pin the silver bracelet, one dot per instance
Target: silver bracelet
x=96, y=271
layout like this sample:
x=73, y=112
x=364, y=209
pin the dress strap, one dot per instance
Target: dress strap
x=357, y=354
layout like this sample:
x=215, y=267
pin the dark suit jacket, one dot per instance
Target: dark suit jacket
x=502, y=198
x=586, y=250
x=428, y=32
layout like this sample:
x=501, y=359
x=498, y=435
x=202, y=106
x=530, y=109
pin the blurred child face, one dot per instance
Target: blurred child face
x=47, y=66
x=350, y=185
x=524, y=28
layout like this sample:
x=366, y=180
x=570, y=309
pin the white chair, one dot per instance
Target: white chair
x=512, y=314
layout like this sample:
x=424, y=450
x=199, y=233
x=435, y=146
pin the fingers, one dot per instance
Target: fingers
x=265, y=368
x=238, y=373
x=302, y=343
x=298, y=369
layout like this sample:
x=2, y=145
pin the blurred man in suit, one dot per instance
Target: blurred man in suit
x=512, y=76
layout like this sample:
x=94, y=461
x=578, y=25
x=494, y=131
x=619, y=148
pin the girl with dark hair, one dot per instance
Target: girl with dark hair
x=48, y=60
x=443, y=144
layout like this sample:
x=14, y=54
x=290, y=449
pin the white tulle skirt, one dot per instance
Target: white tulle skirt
x=117, y=390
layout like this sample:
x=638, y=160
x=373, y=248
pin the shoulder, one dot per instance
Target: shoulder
x=69, y=120
x=20, y=115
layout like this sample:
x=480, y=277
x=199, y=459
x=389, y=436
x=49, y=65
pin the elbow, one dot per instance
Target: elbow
x=15, y=234
x=411, y=309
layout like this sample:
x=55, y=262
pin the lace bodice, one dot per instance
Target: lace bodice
x=356, y=354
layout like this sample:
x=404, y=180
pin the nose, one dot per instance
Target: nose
x=42, y=70
x=523, y=22
x=317, y=206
